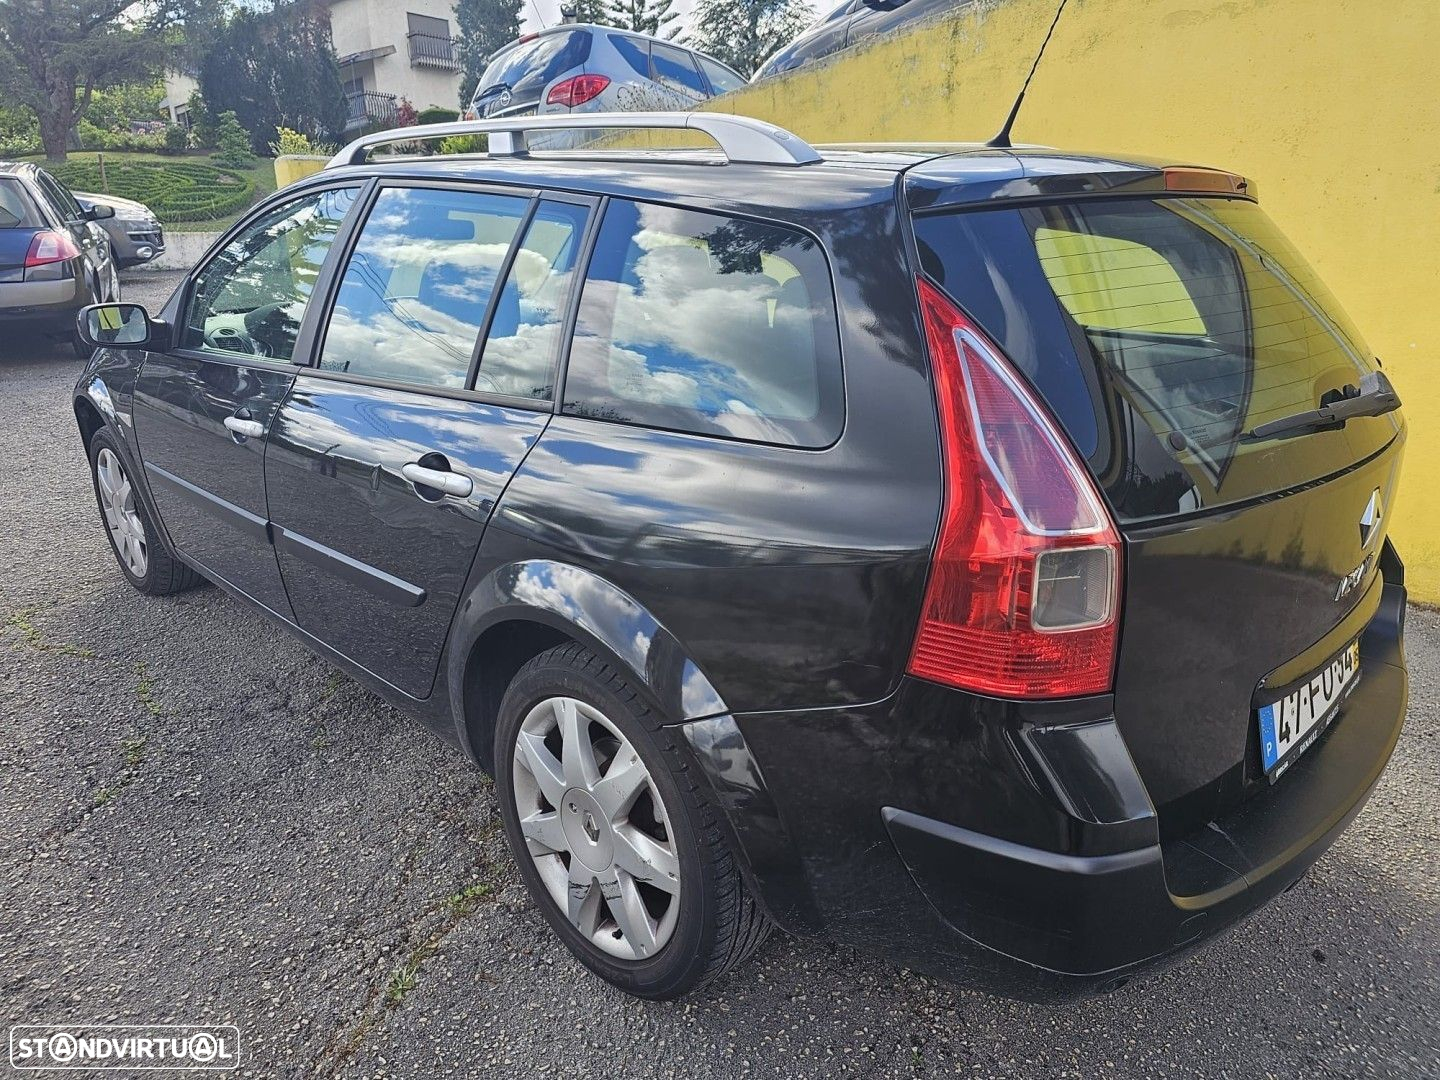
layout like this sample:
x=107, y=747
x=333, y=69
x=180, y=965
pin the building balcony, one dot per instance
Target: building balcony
x=371, y=107
x=433, y=51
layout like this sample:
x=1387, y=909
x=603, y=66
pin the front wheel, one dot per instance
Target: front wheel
x=616, y=844
x=143, y=557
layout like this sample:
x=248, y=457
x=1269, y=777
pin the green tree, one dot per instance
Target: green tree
x=652, y=17
x=276, y=69
x=55, y=54
x=484, y=26
x=742, y=33
x=232, y=142
x=598, y=12
x=202, y=121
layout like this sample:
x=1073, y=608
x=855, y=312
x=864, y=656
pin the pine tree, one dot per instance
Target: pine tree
x=597, y=12
x=484, y=26
x=652, y=17
x=742, y=33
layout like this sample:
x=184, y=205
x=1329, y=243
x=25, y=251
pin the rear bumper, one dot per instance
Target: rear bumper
x=1014, y=848
x=42, y=305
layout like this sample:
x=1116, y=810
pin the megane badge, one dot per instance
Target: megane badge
x=1370, y=519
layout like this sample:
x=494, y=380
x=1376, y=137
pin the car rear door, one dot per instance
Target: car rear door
x=433, y=378
x=202, y=408
x=1162, y=332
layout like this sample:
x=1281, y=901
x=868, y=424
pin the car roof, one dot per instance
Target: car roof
x=14, y=168
x=847, y=175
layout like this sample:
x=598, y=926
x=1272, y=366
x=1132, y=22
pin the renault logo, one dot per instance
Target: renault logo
x=1370, y=519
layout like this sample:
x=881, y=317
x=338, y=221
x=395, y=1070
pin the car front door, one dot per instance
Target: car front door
x=203, y=407
x=434, y=376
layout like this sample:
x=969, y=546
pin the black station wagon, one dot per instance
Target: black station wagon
x=975, y=555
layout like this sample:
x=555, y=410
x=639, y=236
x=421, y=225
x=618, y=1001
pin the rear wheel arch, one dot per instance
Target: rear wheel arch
x=521, y=609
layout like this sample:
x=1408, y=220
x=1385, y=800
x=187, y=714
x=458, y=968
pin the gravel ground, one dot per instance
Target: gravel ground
x=201, y=822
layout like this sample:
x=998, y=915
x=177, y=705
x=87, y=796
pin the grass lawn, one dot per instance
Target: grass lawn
x=261, y=176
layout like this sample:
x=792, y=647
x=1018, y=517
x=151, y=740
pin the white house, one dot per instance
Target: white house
x=387, y=51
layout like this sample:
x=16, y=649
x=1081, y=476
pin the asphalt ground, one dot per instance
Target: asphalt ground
x=202, y=822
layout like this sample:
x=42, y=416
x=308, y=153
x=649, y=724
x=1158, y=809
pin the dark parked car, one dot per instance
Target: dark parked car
x=136, y=235
x=978, y=557
x=851, y=23
x=54, y=259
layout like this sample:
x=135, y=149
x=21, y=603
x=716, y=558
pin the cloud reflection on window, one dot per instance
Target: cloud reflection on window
x=704, y=323
x=414, y=294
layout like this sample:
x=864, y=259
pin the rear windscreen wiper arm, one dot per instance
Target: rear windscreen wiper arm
x=1375, y=397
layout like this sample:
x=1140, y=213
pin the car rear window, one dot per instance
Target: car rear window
x=16, y=210
x=706, y=323
x=1160, y=331
x=537, y=61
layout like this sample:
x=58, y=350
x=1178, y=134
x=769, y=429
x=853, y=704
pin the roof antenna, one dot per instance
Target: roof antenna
x=1001, y=141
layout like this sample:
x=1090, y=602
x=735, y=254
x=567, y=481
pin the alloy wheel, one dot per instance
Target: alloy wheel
x=596, y=828
x=117, y=502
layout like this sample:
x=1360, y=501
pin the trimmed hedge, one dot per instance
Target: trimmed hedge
x=174, y=190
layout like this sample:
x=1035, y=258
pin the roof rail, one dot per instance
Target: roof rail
x=741, y=139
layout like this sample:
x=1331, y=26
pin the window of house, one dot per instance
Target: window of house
x=414, y=294
x=706, y=323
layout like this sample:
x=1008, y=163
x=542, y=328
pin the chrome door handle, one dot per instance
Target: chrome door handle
x=450, y=483
x=246, y=429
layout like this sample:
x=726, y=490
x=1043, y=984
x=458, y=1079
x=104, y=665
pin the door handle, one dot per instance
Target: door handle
x=245, y=428
x=450, y=483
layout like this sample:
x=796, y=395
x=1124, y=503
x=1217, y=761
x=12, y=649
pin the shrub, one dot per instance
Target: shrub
x=435, y=115
x=174, y=190
x=290, y=141
x=176, y=139
x=232, y=145
x=464, y=144
x=405, y=114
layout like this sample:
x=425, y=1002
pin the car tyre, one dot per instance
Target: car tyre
x=145, y=560
x=562, y=807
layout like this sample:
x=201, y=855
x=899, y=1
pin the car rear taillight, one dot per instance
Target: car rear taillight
x=48, y=246
x=576, y=90
x=1024, y=590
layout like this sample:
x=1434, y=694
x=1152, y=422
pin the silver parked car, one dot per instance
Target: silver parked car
x=136, y=235
x=579, y=67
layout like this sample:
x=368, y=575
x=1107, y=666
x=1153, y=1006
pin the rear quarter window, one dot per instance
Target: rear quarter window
x=710, y=324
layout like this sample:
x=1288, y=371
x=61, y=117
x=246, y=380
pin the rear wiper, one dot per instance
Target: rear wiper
x=1374, y=397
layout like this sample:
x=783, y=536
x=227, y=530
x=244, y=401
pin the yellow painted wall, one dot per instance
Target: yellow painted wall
x=1329, y=105
x=292, y=167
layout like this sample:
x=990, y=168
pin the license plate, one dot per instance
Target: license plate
x=1289, y=725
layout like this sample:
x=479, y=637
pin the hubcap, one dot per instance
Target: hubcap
x=596, y=828
x=117, y=503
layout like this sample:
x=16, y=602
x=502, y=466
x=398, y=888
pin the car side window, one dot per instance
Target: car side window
x=414, y=294
x=520, y=351
x=250, y=298
x=59, y=196
x=722, y=79
x=676, y=69
x=707, y=323
x=634, y=52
